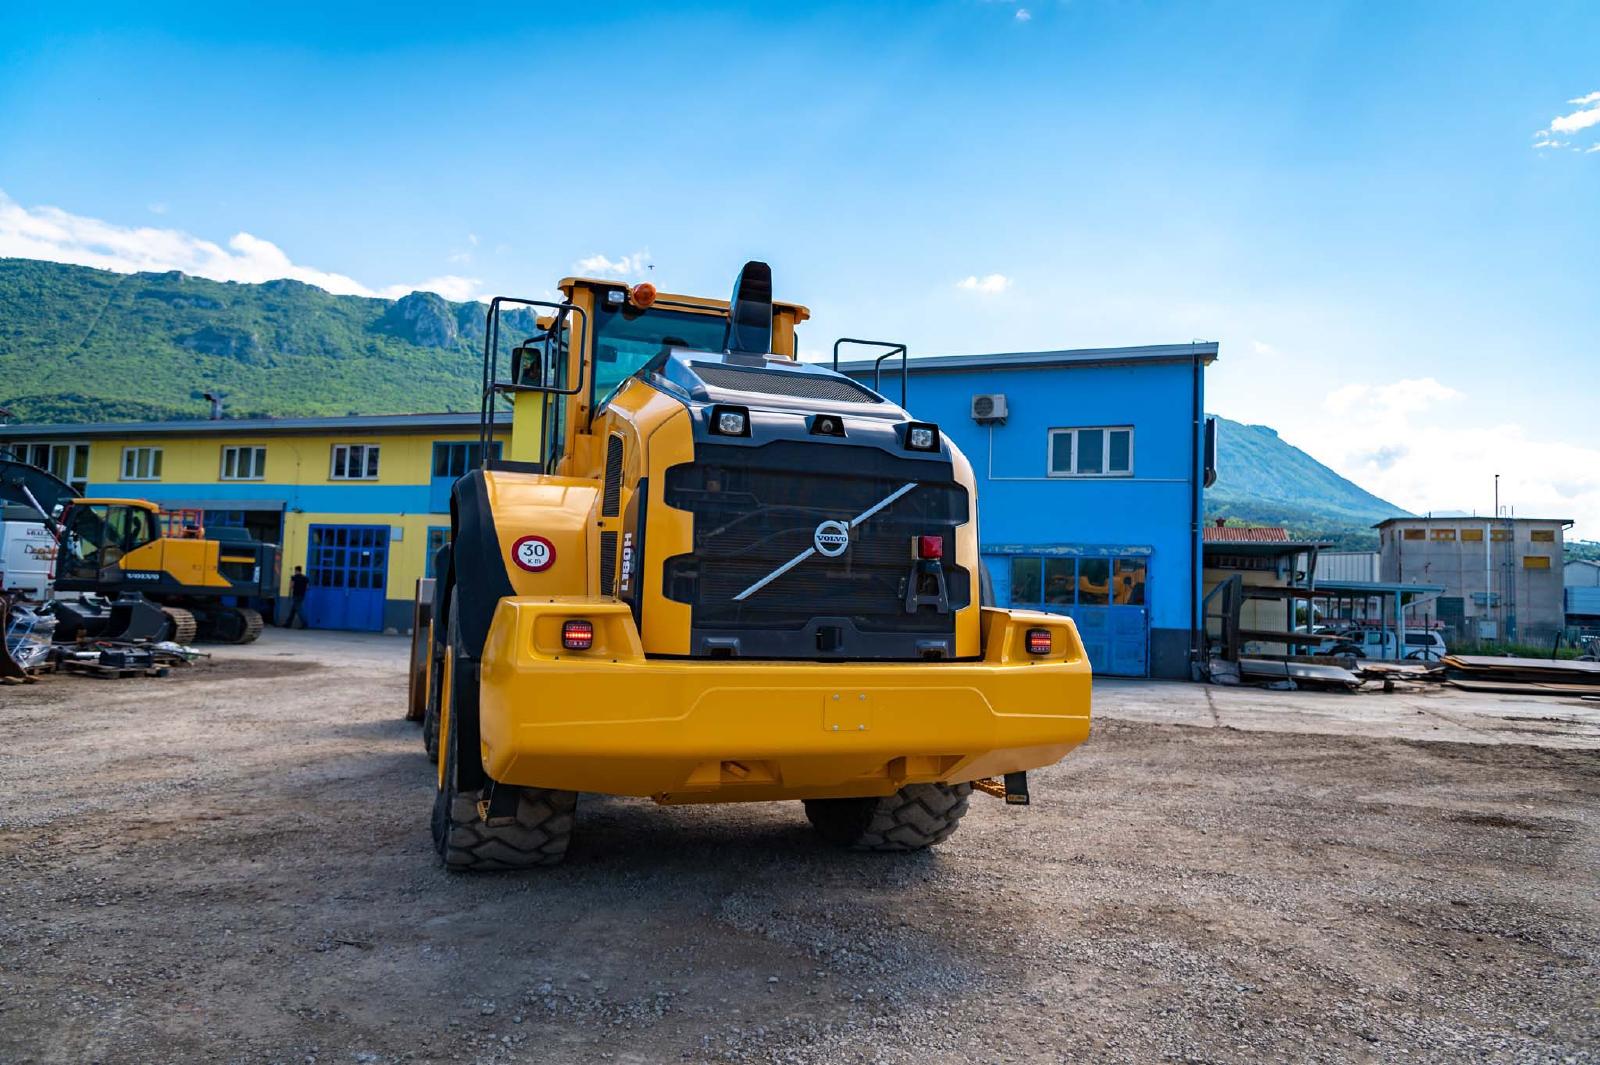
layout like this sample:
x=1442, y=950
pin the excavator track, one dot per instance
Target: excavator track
x=251, y=624
x=184, y=626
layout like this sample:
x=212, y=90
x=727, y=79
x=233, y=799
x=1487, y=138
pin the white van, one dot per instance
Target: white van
x=27, y=553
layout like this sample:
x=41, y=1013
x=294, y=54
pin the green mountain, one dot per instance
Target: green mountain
x=1263, y=481
x=78, y=344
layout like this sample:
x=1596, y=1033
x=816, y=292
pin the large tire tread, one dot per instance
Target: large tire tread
x=537, y=832
x=913, y=818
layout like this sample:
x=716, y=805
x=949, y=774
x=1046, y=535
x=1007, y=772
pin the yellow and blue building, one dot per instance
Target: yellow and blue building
x=359, y=502
x=1090, y=466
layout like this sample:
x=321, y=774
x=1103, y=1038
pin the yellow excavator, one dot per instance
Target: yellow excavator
x=707, y=572
x=150, y=573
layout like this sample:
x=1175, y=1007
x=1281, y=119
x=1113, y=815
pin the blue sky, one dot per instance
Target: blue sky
x=1387, y=214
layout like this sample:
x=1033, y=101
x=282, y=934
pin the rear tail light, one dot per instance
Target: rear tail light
x=577, y=635
x=929, y=547
x=1038, y=641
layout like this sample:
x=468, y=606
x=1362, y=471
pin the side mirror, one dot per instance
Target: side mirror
x=527, y=362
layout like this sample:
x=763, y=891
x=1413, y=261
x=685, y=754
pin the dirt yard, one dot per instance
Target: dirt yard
x=233, y=865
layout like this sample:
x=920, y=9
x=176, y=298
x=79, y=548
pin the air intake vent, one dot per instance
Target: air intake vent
x=611, y=502
x=608, y=563
x=797, y=384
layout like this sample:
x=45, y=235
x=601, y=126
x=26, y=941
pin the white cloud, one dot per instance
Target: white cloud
x=157, y=208
x=625, y=267
x=60, y=236
x=1023, y=15
x=989, y=285
x=1586, y=116
x=1390, y=439
x=1261, y=347
x=1396, y=400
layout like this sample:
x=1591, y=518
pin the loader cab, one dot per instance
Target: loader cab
x=615, y=330
x=97, y=533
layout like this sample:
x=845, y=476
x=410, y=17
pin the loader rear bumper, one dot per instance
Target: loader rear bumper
x=611, y=720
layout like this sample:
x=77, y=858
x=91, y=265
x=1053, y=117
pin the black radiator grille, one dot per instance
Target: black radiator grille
x=611, y=502
x=757, y=508
x=785, y=383
x=608, y=563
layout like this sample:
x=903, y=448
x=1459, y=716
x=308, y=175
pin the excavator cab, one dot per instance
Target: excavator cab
x=95, y=536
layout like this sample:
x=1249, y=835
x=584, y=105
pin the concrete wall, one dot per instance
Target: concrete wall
x=1347, y=566
x=1507, y=573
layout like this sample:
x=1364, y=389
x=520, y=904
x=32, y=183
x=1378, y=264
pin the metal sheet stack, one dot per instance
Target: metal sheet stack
x=1522, y=676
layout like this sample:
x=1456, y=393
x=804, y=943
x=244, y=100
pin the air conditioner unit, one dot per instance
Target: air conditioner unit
x=989, y=407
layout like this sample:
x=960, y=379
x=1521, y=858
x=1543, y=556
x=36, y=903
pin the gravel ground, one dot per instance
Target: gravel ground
x=233, y=865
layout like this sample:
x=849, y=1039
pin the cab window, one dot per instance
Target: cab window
x=626, y=338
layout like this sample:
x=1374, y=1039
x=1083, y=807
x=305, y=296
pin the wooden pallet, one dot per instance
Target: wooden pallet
x=95, y=669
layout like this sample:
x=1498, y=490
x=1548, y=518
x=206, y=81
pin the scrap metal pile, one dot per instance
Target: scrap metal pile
x=29, y=648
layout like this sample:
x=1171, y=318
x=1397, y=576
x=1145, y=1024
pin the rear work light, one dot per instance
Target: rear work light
x=928, y=547
x=577, y=635
x=1038, y=641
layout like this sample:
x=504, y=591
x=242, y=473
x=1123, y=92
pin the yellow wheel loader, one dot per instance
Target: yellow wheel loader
x=704, y=571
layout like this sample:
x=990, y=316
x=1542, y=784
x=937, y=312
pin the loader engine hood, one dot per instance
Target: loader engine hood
x=810, y=522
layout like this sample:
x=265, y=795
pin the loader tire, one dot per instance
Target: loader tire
x=183, y=627
x=430, y=711
x=916, y=816
x=535, y=834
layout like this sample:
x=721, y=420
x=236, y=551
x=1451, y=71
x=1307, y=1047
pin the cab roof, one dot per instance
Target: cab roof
x=801, y=312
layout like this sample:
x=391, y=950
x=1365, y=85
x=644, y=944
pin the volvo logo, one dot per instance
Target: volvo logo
x=832, y=538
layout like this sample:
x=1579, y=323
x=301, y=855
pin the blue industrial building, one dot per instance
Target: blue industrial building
x=1090, y=467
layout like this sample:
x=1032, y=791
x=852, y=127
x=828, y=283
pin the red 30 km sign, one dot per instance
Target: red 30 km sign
x=533, y=553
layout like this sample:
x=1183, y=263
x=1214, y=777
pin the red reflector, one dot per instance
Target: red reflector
x=930, y=547
x=577, y=635
x=1038, y=641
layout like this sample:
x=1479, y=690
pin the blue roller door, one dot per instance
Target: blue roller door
x=348, y=571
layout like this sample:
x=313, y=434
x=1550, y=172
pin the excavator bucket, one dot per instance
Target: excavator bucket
x=131, y=617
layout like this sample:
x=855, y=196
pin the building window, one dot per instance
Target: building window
x=1087, y=581
x=1127, y=584
x=1500, y=536
x=455, y=459
x=141, y=464
x=1474, y=536
x=1535, y=561
x=1093, y=452
x=1444, y=534
x=244, y=463
x=354, y=462
x=1542, y=536
x=1414, y=534
x=70, y=461
x=438, y=536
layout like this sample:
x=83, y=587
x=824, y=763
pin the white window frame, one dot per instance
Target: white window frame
x=152, y=463
x=42, y=453
x=257, y=455
x=369, y=462
x=1073, y=431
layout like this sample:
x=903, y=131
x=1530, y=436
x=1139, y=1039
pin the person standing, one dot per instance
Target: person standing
x=298, y=582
